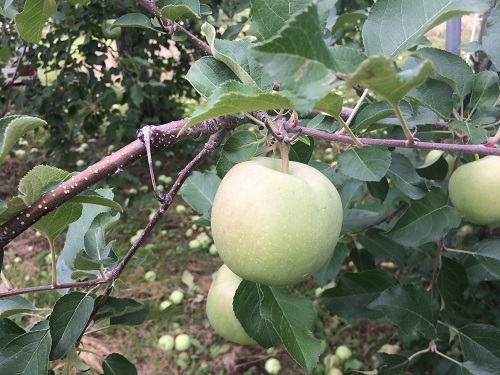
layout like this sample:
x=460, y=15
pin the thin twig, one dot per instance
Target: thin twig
x=10, y=85
x=437, y=267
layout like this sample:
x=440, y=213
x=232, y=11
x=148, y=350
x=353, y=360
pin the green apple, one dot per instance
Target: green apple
x=180, y=209
x=176, y=297
x=150, y=276
x=165, y=304
x=220, y=307
x=343, y=353
x=433, y=155
x=272, y=366
x=166, y=343
x=474, y=189
x=275, y=228
x=182, y=342
x=108, y=32
x=213, y=250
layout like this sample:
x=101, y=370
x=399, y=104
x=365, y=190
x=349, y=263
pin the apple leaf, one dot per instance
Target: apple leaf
x=137, y=20
x=35, y=183
x=14, y=127
x=302, y=149
x=485, y=89
x=348, y=18
x=480, y=343
x=394, y=364
x=207, y=74
x=452, y=280
x=491, y=36
x=297, y=57
x=30, y=22
x=351, y=191
x=426, y=220
x=450, y=68
x=379, y=74
x=476, y=135
x=8, y=331
x=487, y=254
x=409, y=307
x=264, y=13
x=435, y=169
x=394, y=26
x=246, y=307
x=473, y=368
x=116, y=363
x=382, y=247
x=403, y=175
x=372, y=113
x=235, y=55
x=354, y=291
x=199, y=192
x=356, y=219
x=346, y=60
x=28, y=353
x=15, y=305
x=241, y=146
x=293, y=319
x=378, y=189
x=52, y=225
x=68, y=320
x=435, y=95
x=331, y=268
x=321, y=122
x=174, y=9
x=365, y=164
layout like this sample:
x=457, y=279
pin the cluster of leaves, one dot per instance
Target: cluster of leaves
x=395, y=208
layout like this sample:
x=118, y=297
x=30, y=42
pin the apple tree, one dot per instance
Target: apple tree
x=289, y=80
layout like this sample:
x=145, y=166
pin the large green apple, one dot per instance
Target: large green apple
x=275, y=228
x=474, y=190
x=220, y=307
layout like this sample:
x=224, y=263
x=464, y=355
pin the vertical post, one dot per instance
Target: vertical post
x=453, y=33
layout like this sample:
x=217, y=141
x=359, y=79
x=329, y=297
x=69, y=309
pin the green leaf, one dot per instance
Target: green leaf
x=52, y=225
x=354, y=291
x=235, y=54
x=68, y=320
x=452, y=280
x=409, y=307
x=435, y=169
x=298, y=58
x=92, y=197
x=426, y=220
x=403, y=175
x=478, y=368
x=30, y=22
x=27, y=354
x=394, y=26
x=395, y=364
x=348, y=18
x=379, y=189
x=137, y=20
x=36, y=182
x=8, y=332
x=199, y=192
x=365, y=164
x=480, y=343
x=175, y=9
x=331, y=104
x=382, y=247
x=269, y=16
x=450, y=68
x=241, y=146
x=246, y=306
x=435, y=95
x=117, y=364
x=488, y=255
x=292, y=317
x=351, y=191
x=491, y=37
x=14, y=127
x=379, y=74
x=302, y=149
x=485, y=89
x=15, y=305
x=321, y=122
x=372, y=113
x=331, y=268
x=346, y=60
x=122, y=311
x=475, y=134
x=233, y=97
x=75, y=360
x=207, y=74
x=356, y=220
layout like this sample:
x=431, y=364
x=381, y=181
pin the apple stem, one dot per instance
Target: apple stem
x=349, y=132
x=408, y=133
x=285, y=160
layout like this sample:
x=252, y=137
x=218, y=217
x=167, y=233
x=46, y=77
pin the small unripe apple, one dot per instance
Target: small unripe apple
x=390, y=349
x=182, y=342
x=220, y=307
x=20, y=153
x=189, y=233
x=108, y=32
x=80, y=163
x=213, y=250
x=331, y=360
x=272, y=366
x=158, y=163
x=334, y=371
x=343, y=353
x=275, y=228
x=165, y=304
x=180, y=209
x=474, y=190
x=150, y=276
x=194, y=245
x=176, y=297
x=17, y=260
x=166, y=343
